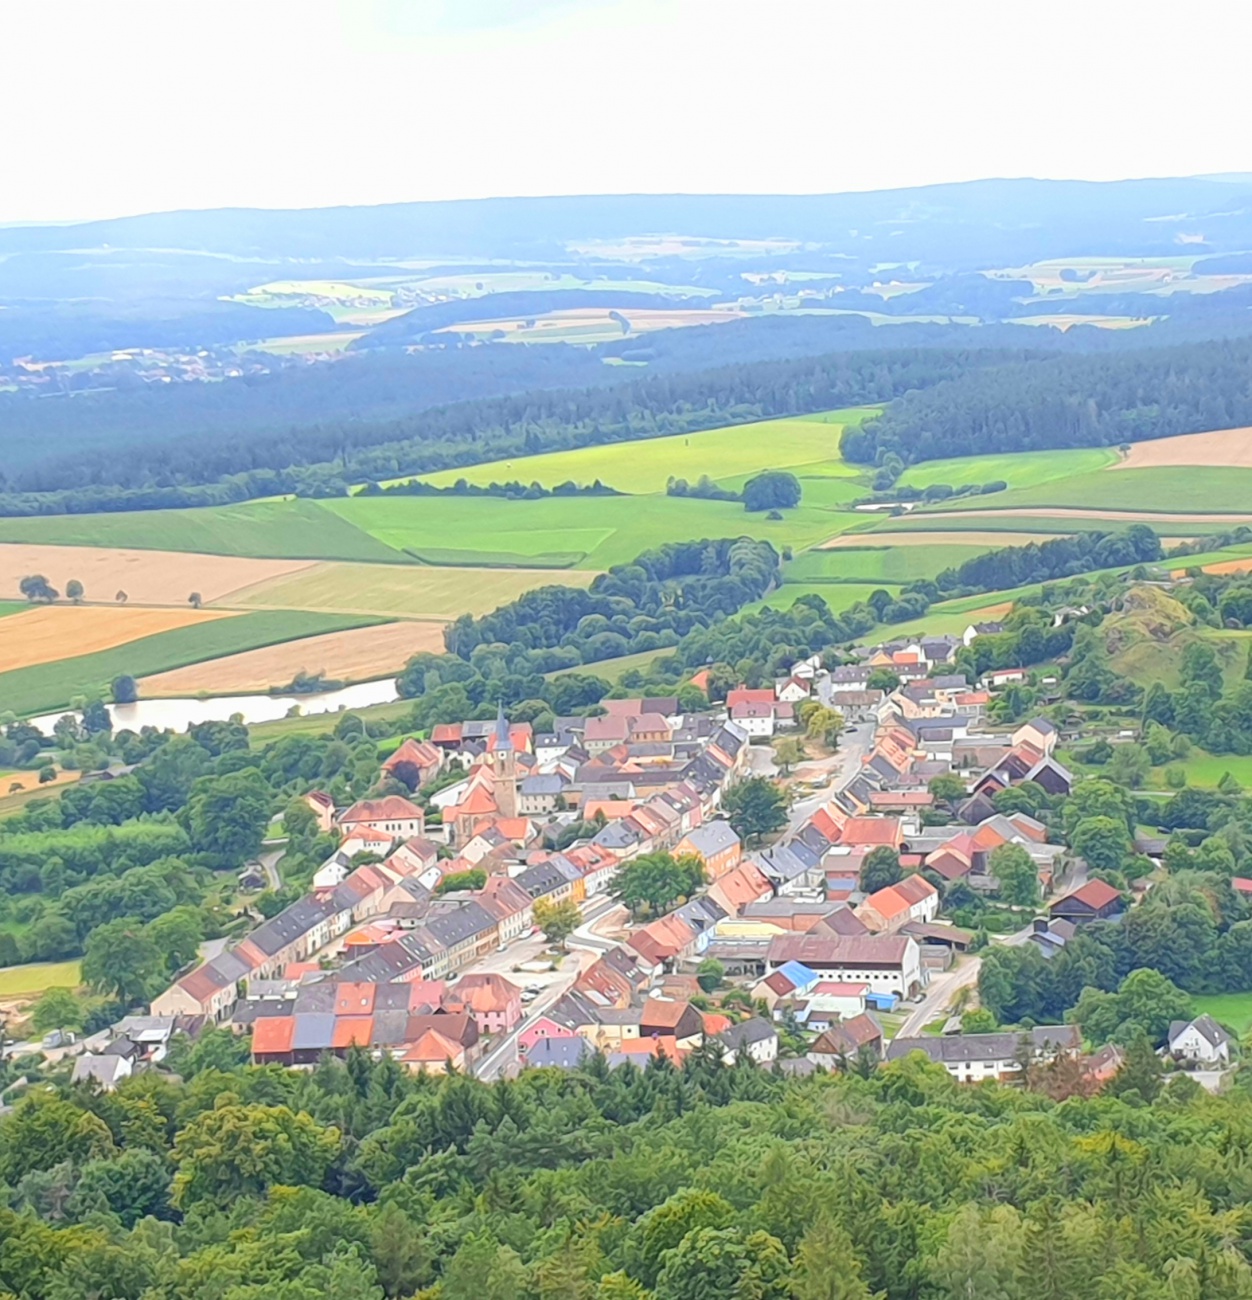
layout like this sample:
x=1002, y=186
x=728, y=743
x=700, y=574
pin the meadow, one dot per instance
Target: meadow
x=1024, y=469
x=869, y=563
x=838, y=595
x=24, y=981
x=727, y=455
x=1232, y=1009
x=42, y=688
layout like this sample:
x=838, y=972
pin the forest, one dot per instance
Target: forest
x=1072, y=401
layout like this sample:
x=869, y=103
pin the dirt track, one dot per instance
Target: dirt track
x=1110, y=516
x=1228, y=448
x=358, y=655
x=147, y=577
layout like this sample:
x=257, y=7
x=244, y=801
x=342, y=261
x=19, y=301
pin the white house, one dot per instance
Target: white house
x=975, y=1058
x=392, y=815
x=1201, y=1040
x=887, y=963
x=755, y=1038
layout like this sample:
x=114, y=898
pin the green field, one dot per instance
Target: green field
x=899, y=564
x=415, y=591
x=12, y=607
x=728, y=455
x=1206, y=770
x=611, y=670
x=45, y=687
x=1190, y=489
x=17, y=981
x=1233, y=1009
x=1025, y=469
x=285, y=529
x=572, y=532
x=317, y=724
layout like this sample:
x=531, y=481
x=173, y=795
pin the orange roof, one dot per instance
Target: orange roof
x=904, y=657
x=987, y=837
x=825, y=824
x=354, y=999
x=650, y=1047
x=873, y=831
x=295, y=970
x=391, y=807
x=368, y=935
x=484, y=993
x=352, y=1031
x=477, y=803
x=417, y=752
x=273, y=1034
x=700, y=680
x=743, y=885
x=613, y=809
x=714, y=1022
x=745, y=695
x=433, y=1048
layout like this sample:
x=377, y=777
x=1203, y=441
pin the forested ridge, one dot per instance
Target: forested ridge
x=1071, y=401
x=372, y=418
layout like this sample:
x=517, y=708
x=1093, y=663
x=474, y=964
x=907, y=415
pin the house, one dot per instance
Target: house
x=1039, y=734
x=559, y=1053
x=539, y=1030
x=998, y=677
x=791, y=980
x=1202, y=1041
x=677, y=1021
x=416, y=763
x=494, y=1002
x=975, y=1058
x=1051, y=935
x=107, y=1070
x=1095, y=901
x=393, y=815
x=912, y=899
x=758, y=720
x=716, y=844
x=210, y=989
x=975, y=630
x=541, y=794
x=873, y=833
x=323, y=807
x=886, y=963
x=845, y=1040
x=792, y=690
x=830, y=1001
x=755, y=1039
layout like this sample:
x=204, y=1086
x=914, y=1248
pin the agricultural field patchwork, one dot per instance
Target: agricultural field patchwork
x=43, y=687
x=1024, y=469
x=44, y=634
x=354, y=655
x=146, y=577
x=865, y=560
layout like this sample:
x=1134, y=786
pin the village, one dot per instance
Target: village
x=494, y=941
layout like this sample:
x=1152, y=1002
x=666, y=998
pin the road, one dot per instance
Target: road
x=944, y=988
x=587, y=945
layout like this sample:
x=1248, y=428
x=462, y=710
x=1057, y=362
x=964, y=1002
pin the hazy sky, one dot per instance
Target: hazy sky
x=142, y=105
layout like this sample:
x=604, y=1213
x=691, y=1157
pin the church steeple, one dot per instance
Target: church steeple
x=504, y=766
x=504, y=737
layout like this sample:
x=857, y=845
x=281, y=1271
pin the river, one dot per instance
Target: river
x=178, y=715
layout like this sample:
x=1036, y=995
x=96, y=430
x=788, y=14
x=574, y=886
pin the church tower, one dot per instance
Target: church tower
x=504, y=766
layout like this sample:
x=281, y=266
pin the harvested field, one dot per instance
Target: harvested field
x=409, y=591
x=53, y=632
x=990, y=540
x=1227, y=448
x=358, y=655
x=147, y=577
x=1225, y=566
x=19, y=782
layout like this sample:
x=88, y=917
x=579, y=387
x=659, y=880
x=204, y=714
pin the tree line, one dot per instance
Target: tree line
x=1099, y=400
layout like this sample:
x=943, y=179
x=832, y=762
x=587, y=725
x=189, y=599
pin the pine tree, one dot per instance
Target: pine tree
x=827, y=1267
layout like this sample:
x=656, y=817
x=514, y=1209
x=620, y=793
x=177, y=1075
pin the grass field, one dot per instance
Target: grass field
x=1206, y=770
x=45, y=687
x=899, y=564
x=317, y=724
x=53, y=632
x=19, y=981
x=569, y=532
x=300, y=530
x=1193, y=489
x=1233, y=1009
x=1048, y=522
x=727, y=455
x=1025, y=469
x=8, y=607
x=414, y=591
x=611, y=670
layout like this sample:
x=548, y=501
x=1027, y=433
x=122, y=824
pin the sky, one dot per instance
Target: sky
x=150, y=105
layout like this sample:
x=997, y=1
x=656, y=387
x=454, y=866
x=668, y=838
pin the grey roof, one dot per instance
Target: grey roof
x=553, y=784
x=105, y=1070
x=314, y=999
x=755, y=1030
x=290, y=924
x=543, y=879
x=957, y=1049
x=562, y=1053
x=712, y=837
x=389, y=1027
x=1205, y=1026
x=467, y=921
x=313, y=1032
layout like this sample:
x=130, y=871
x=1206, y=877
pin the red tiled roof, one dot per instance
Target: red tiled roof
x=355, y=999
x=872, y=831
x=352, y=1030
x=273, y=1034
x=1096, y=894
x=391, y=807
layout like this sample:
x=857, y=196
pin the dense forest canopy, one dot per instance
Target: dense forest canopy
x=1072, y=401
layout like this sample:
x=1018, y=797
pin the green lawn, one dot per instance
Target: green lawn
x=1206, y=770
x=730, y=455
x=44, y=687
x=1233, y=1009
x=285, y=529
x=611, y=670
x=16, y=981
